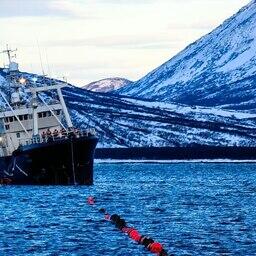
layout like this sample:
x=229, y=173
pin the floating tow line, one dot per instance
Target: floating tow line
x=153, y=246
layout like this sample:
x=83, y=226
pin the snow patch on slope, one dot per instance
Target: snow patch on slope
x=108, y=84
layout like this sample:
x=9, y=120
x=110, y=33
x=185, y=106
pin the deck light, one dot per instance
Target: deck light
x=22, y=80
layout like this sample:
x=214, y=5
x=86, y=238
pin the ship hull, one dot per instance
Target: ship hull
x=63, y=162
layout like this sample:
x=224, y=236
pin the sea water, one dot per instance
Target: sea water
x=191, y=208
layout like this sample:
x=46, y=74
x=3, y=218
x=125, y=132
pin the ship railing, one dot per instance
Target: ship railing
x=57, y=137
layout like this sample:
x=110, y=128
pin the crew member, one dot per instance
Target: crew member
x=48, y=132
x=77, y=132
x=44, y=136
x=49, y=135
x=71, y=133
x=63, y=132
x=55, y=133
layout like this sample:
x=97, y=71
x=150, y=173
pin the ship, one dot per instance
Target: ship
x=38, y=143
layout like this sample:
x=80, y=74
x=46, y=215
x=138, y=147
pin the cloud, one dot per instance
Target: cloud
x=126, y=2
x=195, y=26
x=119, y=41
x=107, y=37
x=19, y=8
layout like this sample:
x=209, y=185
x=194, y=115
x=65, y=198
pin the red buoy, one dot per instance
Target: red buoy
x=90, y=200
x=107, y=217
x=137, y=238
x=147, y=242
x=129, y=230
x=134, y=235
x=156, y=247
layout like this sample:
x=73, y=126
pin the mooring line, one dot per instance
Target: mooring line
x=120, y=223
x=21, y=170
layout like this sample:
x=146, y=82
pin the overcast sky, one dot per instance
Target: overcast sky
x=87, y=40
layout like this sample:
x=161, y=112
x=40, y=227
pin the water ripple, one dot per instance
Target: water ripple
x=193, y=209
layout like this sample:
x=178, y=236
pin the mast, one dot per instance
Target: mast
x=12, y=69
x=8, y=52
x=15, y=96
x=64, y=107
x=35, y=114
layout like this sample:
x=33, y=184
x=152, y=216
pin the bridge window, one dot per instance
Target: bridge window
x=21, y=117
x=7, y=127
x=18, y=135
x=47, y=113
x=25, y=117
x=44, y=114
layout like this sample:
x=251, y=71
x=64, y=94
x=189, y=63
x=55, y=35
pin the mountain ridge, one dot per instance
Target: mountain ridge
x=202, y=73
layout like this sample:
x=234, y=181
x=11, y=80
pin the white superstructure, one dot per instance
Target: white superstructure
x=23, y=121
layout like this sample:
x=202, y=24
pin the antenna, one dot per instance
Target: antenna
x=63, y=78
x=8, y=52
x=47, y=60
x=40, y=56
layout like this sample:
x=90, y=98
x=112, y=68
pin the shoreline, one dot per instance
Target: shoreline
x=154, y=161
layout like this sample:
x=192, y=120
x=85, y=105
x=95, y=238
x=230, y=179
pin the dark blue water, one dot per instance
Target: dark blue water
x=193, y=209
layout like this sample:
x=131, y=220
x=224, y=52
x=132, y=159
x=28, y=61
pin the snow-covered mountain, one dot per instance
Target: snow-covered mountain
x=217, y=70
x=127, y=122
x=107, y=85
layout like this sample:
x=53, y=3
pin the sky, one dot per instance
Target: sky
x=88, y=40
